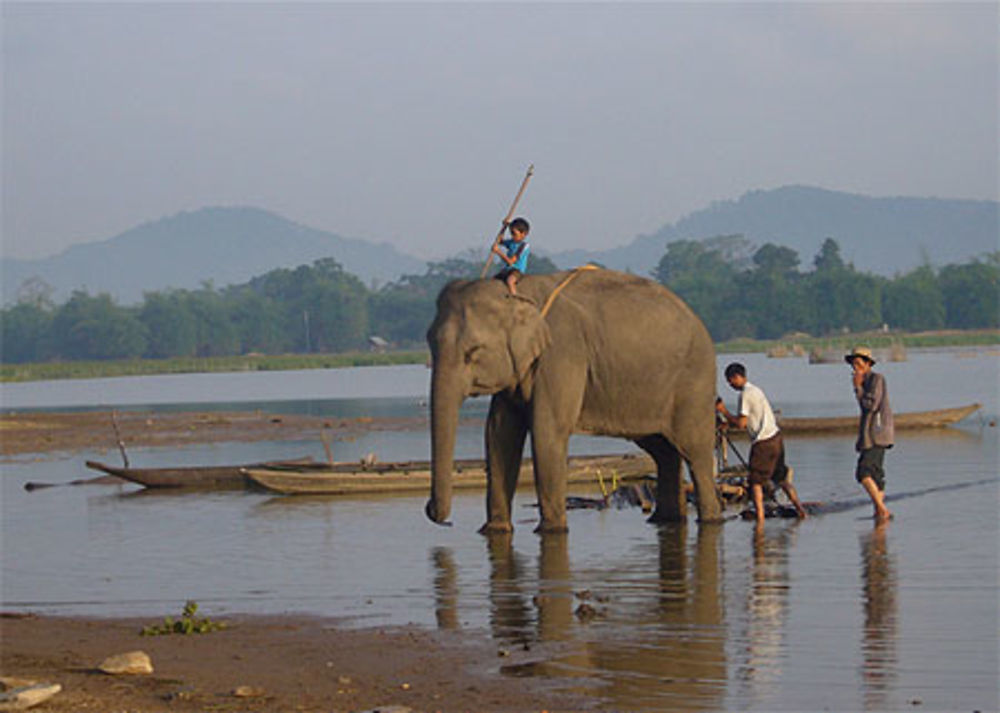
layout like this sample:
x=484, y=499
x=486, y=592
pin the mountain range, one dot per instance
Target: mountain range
x=230, y=245
x=881, y=235
x=221, y=245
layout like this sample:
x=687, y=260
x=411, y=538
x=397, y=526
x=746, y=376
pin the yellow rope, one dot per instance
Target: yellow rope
x=561, y=285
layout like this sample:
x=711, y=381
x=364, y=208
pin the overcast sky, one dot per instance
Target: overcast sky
x=414, y=123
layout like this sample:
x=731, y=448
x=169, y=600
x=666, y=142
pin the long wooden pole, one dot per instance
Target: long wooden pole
x=510, y=215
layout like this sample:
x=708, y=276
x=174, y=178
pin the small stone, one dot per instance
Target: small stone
x=405, y=686
x=182, y=694
x=503, y=652
x=344, y=679
x=133, y=662
x=248, y=692
x=16, y=699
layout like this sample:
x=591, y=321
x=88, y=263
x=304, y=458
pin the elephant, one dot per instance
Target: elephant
x=591, y=351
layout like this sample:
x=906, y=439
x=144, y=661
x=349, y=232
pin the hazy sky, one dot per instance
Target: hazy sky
x=414, y=123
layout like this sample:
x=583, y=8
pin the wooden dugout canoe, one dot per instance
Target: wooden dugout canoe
x=350, y=478
x=219, y=477
x=912, y=419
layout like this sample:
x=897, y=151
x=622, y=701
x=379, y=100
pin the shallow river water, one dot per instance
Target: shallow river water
x=832, y=613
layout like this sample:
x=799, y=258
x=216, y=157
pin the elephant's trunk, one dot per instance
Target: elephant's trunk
x=446, y=399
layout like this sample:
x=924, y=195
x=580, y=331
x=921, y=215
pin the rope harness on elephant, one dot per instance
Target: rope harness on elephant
x=559, y=288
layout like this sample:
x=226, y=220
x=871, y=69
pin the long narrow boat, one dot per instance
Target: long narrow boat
x=912, y=419
x=308, y=476
x=350, y=478
x=218, y=477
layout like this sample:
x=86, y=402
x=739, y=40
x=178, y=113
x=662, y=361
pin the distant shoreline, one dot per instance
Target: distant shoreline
x=46, y=371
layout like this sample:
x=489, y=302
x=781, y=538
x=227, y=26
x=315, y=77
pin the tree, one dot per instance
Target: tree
x=699, y=273
x=170, y=324
x=25, y=332
x=88, y=327
x=914, y=301
x=971, y=293
x=828, y=258
x=832, y=289
x=776, y=260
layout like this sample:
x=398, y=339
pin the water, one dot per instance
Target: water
x=832, y=613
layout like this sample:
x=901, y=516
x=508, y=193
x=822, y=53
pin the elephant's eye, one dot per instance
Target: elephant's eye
x=470, y=354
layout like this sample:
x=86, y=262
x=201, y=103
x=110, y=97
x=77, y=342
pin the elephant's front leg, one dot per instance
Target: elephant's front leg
x=549, y=446
x=506, y=429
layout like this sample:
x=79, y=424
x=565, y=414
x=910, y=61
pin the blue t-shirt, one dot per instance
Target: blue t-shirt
x=517, y=250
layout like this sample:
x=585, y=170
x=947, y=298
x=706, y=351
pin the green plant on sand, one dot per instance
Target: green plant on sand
x=187, y=624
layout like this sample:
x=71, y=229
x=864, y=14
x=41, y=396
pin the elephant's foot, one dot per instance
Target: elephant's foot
x=550, y=528
x=663, y=517
x=496, y=528
x=712, y=519
x=711, y=514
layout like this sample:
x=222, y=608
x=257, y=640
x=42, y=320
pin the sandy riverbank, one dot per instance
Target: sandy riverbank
x=287, y=663
x=45, y=432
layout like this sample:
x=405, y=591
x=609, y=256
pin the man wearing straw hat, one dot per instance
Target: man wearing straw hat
x=875, y=427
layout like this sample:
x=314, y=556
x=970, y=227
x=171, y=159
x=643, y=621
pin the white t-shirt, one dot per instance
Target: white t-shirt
x=753, y=404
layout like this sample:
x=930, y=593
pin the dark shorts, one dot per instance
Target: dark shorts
x=870, y=466
x=506, y=272
x=767, y=461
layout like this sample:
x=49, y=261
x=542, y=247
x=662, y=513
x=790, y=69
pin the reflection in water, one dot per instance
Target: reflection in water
x=663, y=653
x=510, y=614
x=555, y=589
x=767, y=607
x=445, y=588
x=878, y=648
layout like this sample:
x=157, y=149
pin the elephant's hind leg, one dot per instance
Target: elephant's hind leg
x=671, y=503
x=506, y=429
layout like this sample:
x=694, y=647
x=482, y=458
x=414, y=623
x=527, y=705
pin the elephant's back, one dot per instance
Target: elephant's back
x=616, y=294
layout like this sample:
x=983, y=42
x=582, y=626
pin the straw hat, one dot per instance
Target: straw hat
x=863, y=352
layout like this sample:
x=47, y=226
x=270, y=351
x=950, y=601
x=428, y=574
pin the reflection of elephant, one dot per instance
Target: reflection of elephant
x=608, y=354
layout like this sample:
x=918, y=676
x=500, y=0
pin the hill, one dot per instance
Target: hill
x=222, y=245
x=881, y=235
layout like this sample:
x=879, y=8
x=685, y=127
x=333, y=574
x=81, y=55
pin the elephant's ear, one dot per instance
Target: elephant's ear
x=528, y=335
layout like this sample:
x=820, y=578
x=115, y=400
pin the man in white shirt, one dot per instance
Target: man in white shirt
x=767, y=449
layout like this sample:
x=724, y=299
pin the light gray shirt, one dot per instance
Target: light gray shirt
x=875, y=428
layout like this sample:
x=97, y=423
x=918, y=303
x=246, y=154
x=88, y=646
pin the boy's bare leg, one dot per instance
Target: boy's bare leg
x=757, y=491
x=512, y=283
x=878, y=498
x=794, y=497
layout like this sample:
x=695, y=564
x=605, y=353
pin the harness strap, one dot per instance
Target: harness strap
x=559, y=288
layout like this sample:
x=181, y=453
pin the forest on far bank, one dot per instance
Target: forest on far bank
x=739, y=291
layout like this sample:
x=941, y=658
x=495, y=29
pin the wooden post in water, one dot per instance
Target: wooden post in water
x=118, y=435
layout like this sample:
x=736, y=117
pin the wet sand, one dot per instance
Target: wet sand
x=286, y=663
x=293, y=663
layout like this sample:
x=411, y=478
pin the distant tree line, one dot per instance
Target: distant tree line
x=321, y=308
x=762, y=293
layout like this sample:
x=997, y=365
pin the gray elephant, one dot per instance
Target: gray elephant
x=587, y=351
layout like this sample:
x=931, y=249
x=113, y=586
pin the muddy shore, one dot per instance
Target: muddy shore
x=281, y=663
x=47, y=432
x=288, y=663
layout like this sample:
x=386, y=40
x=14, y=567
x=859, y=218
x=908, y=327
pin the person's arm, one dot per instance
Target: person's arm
x=731, y=420
x=502, y=254
x=871, y=393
